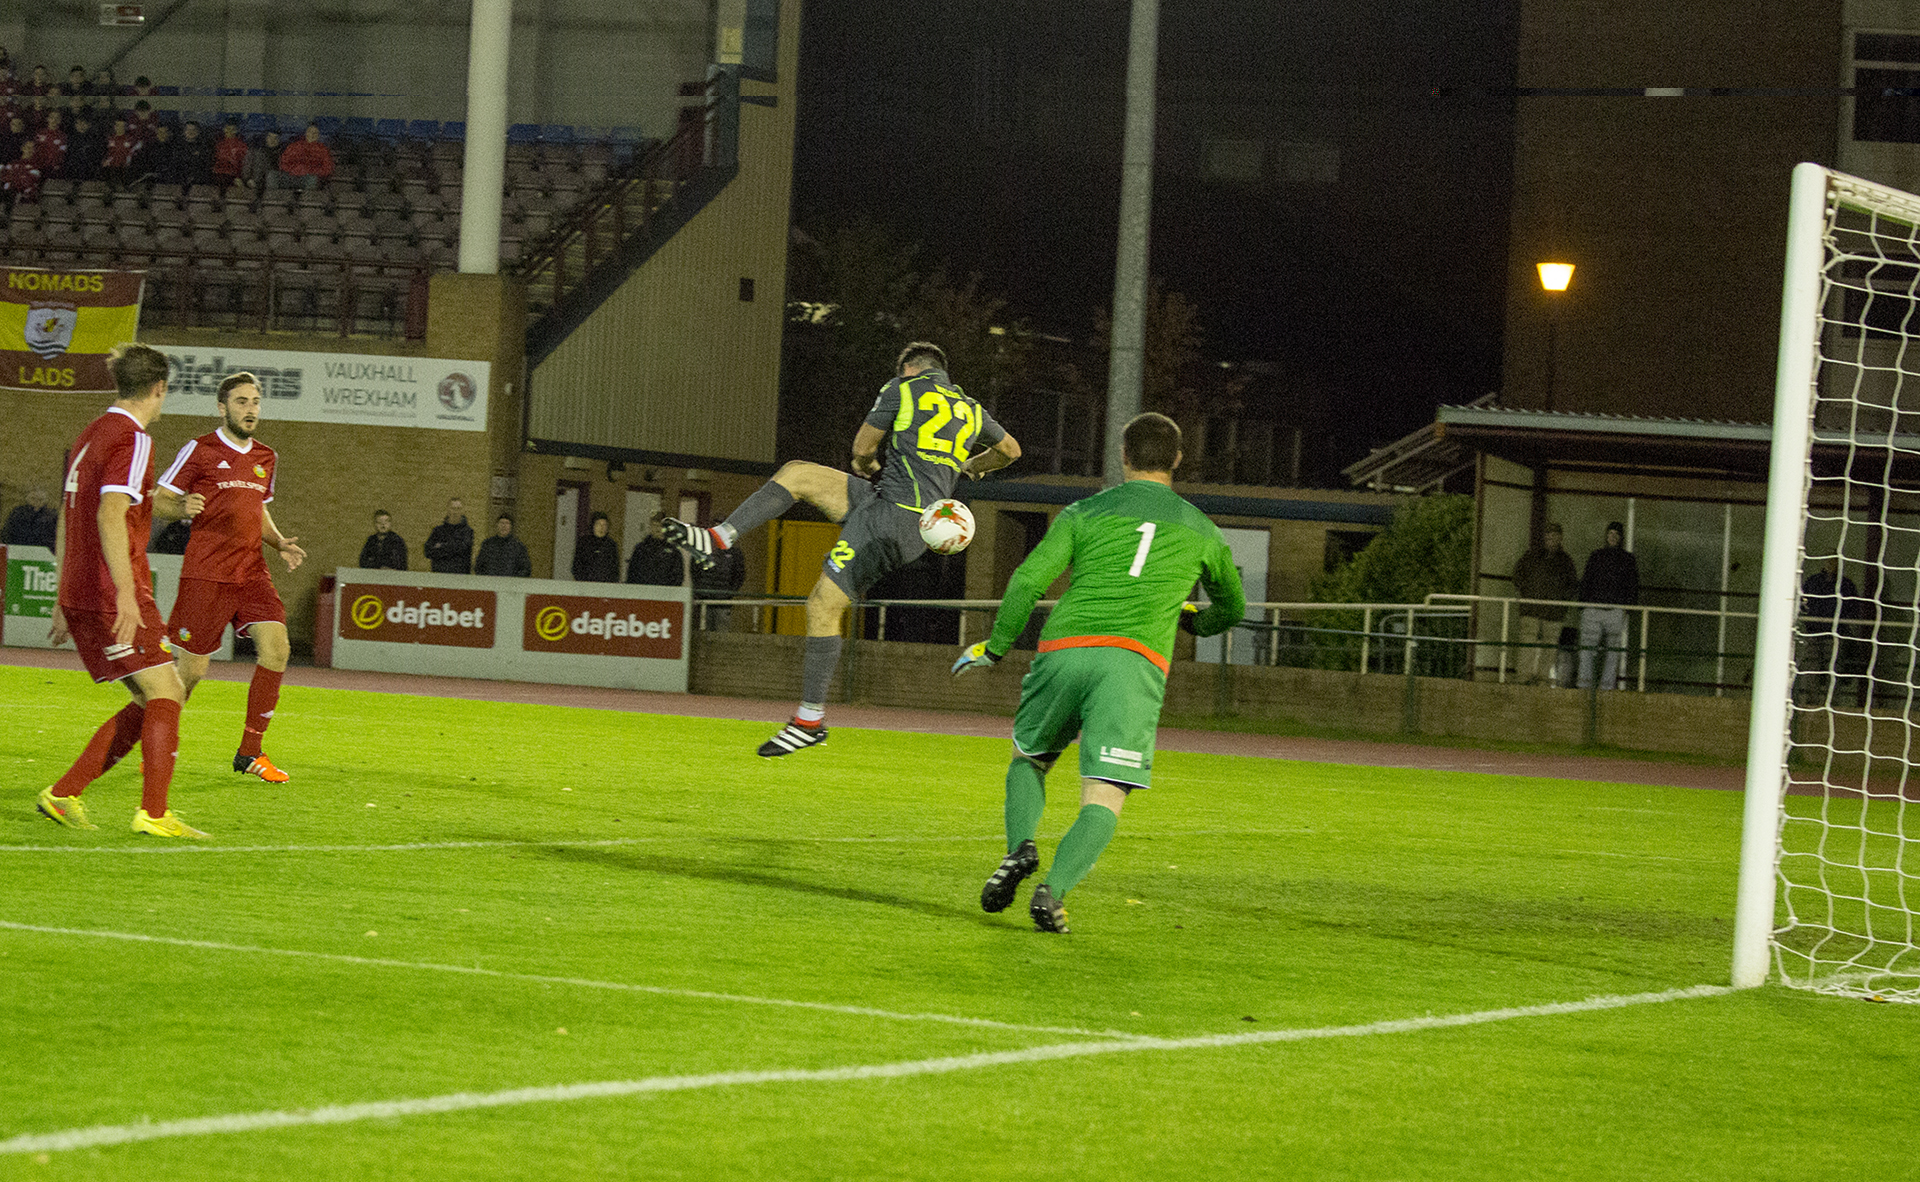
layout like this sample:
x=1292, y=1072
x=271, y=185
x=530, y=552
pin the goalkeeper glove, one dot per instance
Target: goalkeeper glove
x=1189, y=612
x=975, y=656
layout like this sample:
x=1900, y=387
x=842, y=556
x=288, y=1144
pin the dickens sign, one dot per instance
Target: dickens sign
x=417, y=615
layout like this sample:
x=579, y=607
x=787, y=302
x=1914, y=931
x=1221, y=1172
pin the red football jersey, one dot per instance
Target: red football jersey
x=237, y=481
x=112, y=455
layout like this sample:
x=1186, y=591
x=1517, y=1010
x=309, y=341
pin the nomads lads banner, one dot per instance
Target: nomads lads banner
x=56, y=327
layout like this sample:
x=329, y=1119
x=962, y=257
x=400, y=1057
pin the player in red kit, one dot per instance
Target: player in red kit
x=106, y=597
x=224, y=579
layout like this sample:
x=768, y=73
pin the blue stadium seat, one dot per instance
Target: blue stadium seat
x=257, y=124
x=390, y=129
x=626, y=136
x=166, y=92
x=291, y=127
x=556, y=133
x=454, y=130
x=423, y=129
x=357, y=127
x=524, y=133
x=329, y=125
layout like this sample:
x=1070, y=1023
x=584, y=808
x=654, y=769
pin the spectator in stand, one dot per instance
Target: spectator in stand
x=196, y=156
x=8, y=86
x=15, y=134
x=41, y=82
x=306, y=164
x=36, y=112
x=503, y=555
x=119, y=164
x=161, y=161
x=105, y=91
x=31, y=523
x=384, y=549
x=20, y=178
x=77, y=81
x=596, y=557
x=50, y=146
x=85, y=149
x=450, y=546
x=261, y=161
x=143, y=123
x=656, y=562
x=229, y=156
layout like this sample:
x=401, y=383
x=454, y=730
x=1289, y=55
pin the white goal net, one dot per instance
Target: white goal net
x=1830, y=872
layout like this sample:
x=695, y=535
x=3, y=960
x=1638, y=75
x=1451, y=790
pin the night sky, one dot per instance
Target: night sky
x=1372, y=282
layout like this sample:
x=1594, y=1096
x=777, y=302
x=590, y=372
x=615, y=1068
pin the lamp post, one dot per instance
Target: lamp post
x=1554, y=278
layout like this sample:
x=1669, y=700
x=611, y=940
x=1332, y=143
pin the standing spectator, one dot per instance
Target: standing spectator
x=86, y=147
x=656, y=562
x=450, y=546
x=1543, y=572
x=721, y=581
x=262, y=159
x=174, y=539
x=384, y=549
x=77, y=81
x=118, y=163
x=306, y=163
x=36, y=112
x=40, y=83
x=596, y=557
x=50, y=146
x=1831, y=613
x=30, y=524
x=196, y=156
x=503, y=555
x=20, y=179
x=229, y=156
x=142, y=87
x=1610, y=582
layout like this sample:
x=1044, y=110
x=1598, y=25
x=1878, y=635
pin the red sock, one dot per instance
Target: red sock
x=159, y=743
x=262, y=696
x=114, y=739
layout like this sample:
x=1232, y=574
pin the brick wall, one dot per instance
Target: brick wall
x=745, y=664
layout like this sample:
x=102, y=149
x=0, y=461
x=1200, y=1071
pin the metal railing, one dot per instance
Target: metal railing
x=1508, y=605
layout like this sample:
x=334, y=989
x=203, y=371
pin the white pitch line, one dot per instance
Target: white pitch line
x=247, y=1122
x=578, y=982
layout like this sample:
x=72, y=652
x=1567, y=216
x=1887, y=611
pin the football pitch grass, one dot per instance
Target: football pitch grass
x=482, y=940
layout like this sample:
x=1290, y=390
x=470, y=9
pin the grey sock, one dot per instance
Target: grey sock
x=816, y=674
x=768, y=502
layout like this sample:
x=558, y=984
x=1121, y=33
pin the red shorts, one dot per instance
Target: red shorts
x=202, y=610
x=107, y=661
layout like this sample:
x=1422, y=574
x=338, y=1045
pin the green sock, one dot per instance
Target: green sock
x=1026, y=800
x=1081, y=847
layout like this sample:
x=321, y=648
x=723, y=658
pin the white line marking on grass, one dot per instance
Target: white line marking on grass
x=247, y=1122
x=579, y=982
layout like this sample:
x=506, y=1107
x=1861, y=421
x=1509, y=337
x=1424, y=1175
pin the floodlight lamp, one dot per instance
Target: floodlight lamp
x=1556, y=276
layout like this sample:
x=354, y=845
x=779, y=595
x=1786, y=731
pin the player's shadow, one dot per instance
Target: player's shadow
x=716, y=872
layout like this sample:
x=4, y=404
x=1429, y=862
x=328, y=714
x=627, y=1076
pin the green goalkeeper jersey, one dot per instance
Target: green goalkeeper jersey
x=1136, y=551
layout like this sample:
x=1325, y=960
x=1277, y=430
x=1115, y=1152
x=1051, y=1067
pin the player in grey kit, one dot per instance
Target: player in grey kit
x=921, y=437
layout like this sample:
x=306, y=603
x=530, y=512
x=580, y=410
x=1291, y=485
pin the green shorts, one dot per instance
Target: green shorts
x=1109, y=697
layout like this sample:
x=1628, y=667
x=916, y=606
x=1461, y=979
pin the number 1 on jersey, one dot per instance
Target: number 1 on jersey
x=1140, y=555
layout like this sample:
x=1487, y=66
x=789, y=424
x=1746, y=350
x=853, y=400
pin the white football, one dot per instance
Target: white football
x=946, y=527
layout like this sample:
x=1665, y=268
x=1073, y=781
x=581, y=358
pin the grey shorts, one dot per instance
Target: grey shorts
x=877, y=538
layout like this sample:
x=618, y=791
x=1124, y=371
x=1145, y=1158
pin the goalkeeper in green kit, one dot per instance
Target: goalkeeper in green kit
x=1101, y=672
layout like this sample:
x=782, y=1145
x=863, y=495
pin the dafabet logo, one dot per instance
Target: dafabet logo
x=604, y=627
x=417, y=615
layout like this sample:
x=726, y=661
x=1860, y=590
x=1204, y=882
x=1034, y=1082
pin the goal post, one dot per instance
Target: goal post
x=1829, y=884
